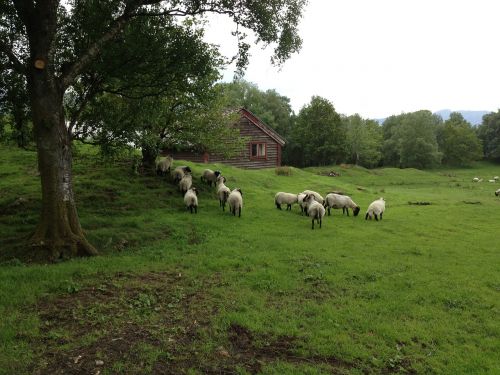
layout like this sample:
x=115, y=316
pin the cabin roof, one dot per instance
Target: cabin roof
x=260, y=124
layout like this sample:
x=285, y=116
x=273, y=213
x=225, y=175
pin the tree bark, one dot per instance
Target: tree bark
x=59, y=232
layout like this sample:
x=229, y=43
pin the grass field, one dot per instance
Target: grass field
x=174, y=293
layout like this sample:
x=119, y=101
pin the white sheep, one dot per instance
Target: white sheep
x=222, y=192
x=179, y=172
x=285, y=198
x=163, y=165
x=315, y=210
x=235, y=200
x=333, y=200
x=300, y=201
x=475, y=179
x=186, y=183
x=317, y=197
x=496, y=178
x=492, y=180
x=209, y=176
x=375, y=209
x=191, y=200
x=497, y=193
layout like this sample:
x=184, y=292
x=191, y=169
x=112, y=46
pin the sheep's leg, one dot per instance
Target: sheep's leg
x=328, y=210
x=278, y=206
x=320, y=222
x=195, y=209
x=347, y=210
x=312, y=223
x=381, y=215
x=239, y=212
x=289, y=207
x=366, y=216
x=376, y=217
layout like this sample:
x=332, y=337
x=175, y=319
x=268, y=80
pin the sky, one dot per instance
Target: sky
x=384, y=57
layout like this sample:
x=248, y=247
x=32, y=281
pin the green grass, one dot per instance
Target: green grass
x=415, y=293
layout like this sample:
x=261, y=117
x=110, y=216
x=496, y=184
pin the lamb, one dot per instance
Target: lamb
x=235, y=200
x=210, y=176
x=179, y=172
x=333, y=200
x=375, y=209
x=285, y=198
x=191, y=200
x=497, y=193
x=186, y=183
x=222, y=192
x=315, y=210
x=163, y=165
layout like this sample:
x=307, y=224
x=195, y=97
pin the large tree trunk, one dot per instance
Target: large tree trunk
x=59, y=232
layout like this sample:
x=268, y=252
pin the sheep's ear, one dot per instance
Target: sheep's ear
x=240, y=192
x=224, y=179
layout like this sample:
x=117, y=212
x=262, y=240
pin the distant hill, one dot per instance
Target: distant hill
x=474, y=117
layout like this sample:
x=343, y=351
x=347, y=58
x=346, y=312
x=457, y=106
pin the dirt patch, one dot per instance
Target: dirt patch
x=154, y=323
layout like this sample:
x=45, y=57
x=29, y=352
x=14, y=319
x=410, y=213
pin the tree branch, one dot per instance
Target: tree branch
x=16, y=64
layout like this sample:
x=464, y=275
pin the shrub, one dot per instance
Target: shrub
x=284, y=171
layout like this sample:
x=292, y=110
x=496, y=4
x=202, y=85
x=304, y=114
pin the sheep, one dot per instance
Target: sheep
x=222, y=192
x=235, y=200
x=300, y=201
x=285, y=198
x=375, y=209
x=333, y=200
x=317, y=197
x=475, y=179
x=163, y=165
x=186, y=183
x=191, y=200
x=496, y=178
x=179, y=172
x=210, y=176
x=315, y=210
x=492, y=180
x=497, y=193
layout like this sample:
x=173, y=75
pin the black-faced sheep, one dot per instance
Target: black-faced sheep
x=235, y=200
x=333, y=200
x=209, y=176
x=191, y=200
x=179, y=172
x=285, y=198
x=163, y=165
x=375, y=209
x=185, y=183
x=222, y=192
x=300, y=201
x=497, y=193
x=315, y=210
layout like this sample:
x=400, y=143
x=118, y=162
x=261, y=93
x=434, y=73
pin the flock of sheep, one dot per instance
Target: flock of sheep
x=182, y=176
x=314, y=205
x=494, y=179
x=311, y=203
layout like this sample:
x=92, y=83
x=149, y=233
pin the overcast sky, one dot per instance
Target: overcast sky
x=384, y=57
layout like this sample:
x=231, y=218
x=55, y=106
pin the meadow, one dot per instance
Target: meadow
x=174, y=292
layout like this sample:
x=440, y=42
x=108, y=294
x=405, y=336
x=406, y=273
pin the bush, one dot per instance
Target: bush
x=284, y=171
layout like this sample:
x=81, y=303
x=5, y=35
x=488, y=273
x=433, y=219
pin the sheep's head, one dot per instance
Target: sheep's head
x=195, y=191
x=217, y=173
x=497, y=193
x=187, y=169
x=355, y=210
x=220, y=179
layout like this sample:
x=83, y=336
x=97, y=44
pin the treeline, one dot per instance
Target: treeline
x=318, y=135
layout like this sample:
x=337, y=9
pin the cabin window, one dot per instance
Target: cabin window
x=258, y=150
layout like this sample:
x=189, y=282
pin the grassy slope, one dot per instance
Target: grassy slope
x=418, y=291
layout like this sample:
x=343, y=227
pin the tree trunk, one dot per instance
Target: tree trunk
x=58, y=233
x=149, y=155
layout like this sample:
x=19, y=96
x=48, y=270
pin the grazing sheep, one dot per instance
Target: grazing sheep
x=210, y=176
x=179, y=172
x=285, y=198
x=333, y=200
x=475, y=179
x=191, y=200
x=492, y=180
x=235, y=200
x=496, y=178
x=317, y=197
x=315, y=210
x=186, y=183
x=163, y=165
x=300, y=201
x=497, y=193
x=375, y=209
x=222, y=192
